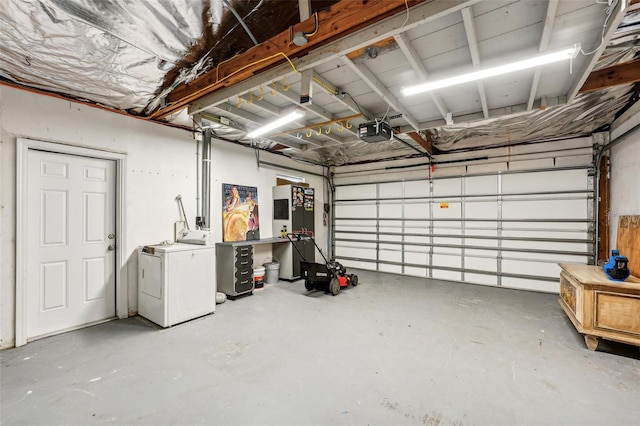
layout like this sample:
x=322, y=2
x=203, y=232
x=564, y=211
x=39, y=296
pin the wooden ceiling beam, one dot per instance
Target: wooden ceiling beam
x=615, y=75
x=341, y=19
x=422, y=14
x=379, y=44
x=426, y=143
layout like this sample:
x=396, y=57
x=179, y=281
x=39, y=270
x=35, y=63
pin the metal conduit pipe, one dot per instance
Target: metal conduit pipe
x=241, y=21
x=198, y=185
x=206, y=179
x=331, y=201
x=266, y=163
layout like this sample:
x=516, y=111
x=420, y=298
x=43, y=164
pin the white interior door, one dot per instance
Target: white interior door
x=70, y=274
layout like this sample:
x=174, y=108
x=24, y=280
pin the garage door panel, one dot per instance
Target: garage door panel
x=352, y=236
x=416, y=239
x=417, y=230
x=526, y=284
x=367, y=266
x=390, y=255
x=450, y=186
x=567, y=180
x=417, y=258
x=530, y=268
x=392, y=247
x=356, y=192
x=354, y=252
x=446, y=275
x=555, y=235
x=417, y=188
x=481, y=264
x=447, y=210
x=531, y=220
x=447, y=259
x=353, y=210
x=390, y=210
x=481, y=279
x=549, y=246
x=417, y=210
x=415, y=272
x=393, y=269
x=547, y=225
x=390, y=190
x=480, y=185
x=567, y=209
x=481, y=210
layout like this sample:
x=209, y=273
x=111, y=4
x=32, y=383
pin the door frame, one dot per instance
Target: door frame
x=23, y=146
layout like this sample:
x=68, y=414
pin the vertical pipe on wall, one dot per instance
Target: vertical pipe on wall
x=198, y=185
x=499, y=230
x=330, y=200
x=462, y=223
x=206, y=179
x=197, y=121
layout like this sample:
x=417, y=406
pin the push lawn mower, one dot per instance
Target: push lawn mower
x=331, y=275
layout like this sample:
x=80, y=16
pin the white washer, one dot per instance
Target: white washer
x=176, y=282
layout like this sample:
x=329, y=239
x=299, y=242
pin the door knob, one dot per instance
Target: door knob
x=111, y=247
x=111, y=236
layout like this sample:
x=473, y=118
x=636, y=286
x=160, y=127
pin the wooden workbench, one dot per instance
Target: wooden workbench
x=599, y=307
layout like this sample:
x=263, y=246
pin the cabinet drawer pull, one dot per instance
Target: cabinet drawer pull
x=244, y=282
x=244, y=263
x=244, y=272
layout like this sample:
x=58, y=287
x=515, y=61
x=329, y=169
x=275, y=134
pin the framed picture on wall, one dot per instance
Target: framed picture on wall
x=240, y=218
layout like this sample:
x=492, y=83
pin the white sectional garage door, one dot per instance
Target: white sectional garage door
x=502, y=229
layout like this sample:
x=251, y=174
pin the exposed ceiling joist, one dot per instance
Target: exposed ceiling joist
x=221, y=95
x=261, y=104
x=612, y=24
x=615, y=75
x=412, y=56
x=294, y=98
x=318, y=111
x=472, y=39
x=346, y=101
x=277, y=112
x=341, y=19
x=379, y=44
x=338, y=121
x=376, y=85
x=504, y=112
x=549, y=19
x=290, y=141
x=420, y=14
x=426, y=143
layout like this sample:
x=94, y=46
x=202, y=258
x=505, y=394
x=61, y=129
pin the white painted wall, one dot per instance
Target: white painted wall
x=625, y=174
x=161, y=163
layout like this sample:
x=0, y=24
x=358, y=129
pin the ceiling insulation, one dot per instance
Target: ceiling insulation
x=111, y=53
x=127, y=54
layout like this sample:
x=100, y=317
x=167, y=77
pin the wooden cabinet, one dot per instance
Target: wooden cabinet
x=599, y=307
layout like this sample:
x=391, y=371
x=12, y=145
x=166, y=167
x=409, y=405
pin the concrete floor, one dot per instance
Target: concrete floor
x=392, y=351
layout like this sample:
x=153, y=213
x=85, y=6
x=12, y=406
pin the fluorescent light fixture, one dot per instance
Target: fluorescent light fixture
x=292, y=116
x=536, y=61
